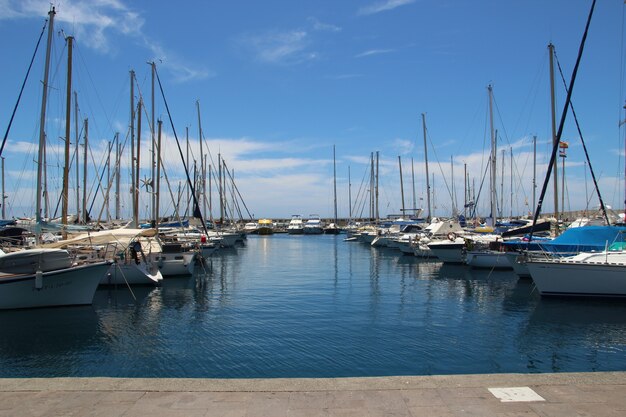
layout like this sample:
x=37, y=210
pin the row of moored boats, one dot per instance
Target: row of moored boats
x=67, y=271
x=587, y=259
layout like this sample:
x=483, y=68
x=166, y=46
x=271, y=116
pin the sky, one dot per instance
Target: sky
x=276, y=84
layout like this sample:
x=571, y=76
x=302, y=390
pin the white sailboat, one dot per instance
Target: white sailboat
x=41, y=277
x=591, y=274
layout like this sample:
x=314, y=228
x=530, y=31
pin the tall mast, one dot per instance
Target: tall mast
x=187, y=163
x=117, y=176
x=42, y=121
x=68, y=112
x=465, y=189
x=133, y=161
x=152, y=144
x=454, y=209
x=377, y=212
x=534, y=171
x=202, y=161
x=335, y=183
x=554, y=135
x=85, y=219
x=219, y=162
x=4, y=213
x=511, y=182
x=401, y=184
x=349, y=194
x=413, y=186
x=372, y=186
x=158, y=177
x=138, y=163
x=502, y=188
x=426, y=162
x=492, y=181
x=77, y=140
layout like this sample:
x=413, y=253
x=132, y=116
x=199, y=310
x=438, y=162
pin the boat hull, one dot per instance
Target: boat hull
x=65, y=287
x=487, y=259
x=578, y=279
x=452, y=253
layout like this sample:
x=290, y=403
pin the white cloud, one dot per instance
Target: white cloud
x=280, y=47
x=373, y=52
x=94, y=24
x=383, y=6
x=325, y=27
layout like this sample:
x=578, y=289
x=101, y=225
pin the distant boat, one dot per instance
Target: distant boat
x=250, y=228
x=265, y=227
x=313, y=225
x=332, y=229
x=296, y=225
x=32, y=278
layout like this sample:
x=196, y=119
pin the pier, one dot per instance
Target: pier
x=531, y=395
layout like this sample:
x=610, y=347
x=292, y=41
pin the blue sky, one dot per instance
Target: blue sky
x=280, y=82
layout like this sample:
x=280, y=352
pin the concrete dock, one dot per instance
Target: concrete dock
x=530, y=395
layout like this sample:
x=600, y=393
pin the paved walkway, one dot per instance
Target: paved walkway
x=507, y=395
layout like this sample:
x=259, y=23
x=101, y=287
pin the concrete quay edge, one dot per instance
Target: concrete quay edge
x=308, y=384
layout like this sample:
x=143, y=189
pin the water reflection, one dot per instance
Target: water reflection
x=46, y=342
x=316, y=306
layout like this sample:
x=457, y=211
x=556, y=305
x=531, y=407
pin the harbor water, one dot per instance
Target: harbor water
x=316, y=306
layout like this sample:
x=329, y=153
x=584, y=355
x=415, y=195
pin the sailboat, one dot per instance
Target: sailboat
x=491, y=257
x=332, y=228
x=42, y=277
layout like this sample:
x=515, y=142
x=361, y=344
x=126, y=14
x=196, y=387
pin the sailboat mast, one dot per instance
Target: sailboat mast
x=426, y=162
x=158, y=177
x=138, y=164
x=534, y=171
x=492, y=182
x=42, y=132
x=335, y=183
x=4, y=213
x=502, y=188
x=349, y=194
x=85, y=171
x=554, y=135
x=511, y=182
x=202, y=161
x=152, y=144
x=132, y=148
x=376, y=201
x=77, y=140
x=68, y=112
x=117, y=176
x=401, y=184
x=413, y=187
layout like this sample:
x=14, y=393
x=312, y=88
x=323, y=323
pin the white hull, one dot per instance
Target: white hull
x=448, y=252
x=487, y=259
x=171, y=264
x=518, y=263
x=131, y=273
x=423, y=251
x=65, y=287
x=572, y=278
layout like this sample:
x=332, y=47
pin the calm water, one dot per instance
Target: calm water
x=316, y=306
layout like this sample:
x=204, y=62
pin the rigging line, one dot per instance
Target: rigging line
x=236, y=189
x=19, y=96
x=78, y=52
x=593, y=175
x=555, y=147
x=182, y=157
x=441, y=169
